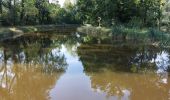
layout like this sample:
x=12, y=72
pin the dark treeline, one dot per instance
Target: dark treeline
x=33, y=12
x=103, y=12
x=146, y=12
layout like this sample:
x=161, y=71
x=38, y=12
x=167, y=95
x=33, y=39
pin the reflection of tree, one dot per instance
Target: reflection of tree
x=168, y=69
x=71, y=44
x=105, y=64
x=118, y=58
x=29, y=67
x=22, y=84
x=139, y=86
x=33, y=49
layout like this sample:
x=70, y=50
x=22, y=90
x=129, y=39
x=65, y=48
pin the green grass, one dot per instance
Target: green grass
x=125, y=33
x=12, y=32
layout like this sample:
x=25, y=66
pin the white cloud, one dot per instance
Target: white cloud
x=61, y=2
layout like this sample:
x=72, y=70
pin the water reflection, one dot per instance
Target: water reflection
x=130, y=86
x=34, y=50
x=124, y=58
x=29, y=67
x=68, y=67
x=127, y=72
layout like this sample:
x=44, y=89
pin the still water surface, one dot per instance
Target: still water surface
x=65, y=67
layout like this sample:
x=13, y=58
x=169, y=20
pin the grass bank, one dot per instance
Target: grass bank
x=123, y=33
x=12, y=32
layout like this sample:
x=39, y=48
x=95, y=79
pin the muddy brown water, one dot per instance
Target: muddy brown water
x=64, y=67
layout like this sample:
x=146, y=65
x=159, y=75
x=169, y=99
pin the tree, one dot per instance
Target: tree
x=22, y=11
x=0, y=6
x=43, y=11
x=165, y=20
x=84, y=11
x=121, y=10
x=29, y=12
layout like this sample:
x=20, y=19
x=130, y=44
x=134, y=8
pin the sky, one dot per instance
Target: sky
x=61, y=2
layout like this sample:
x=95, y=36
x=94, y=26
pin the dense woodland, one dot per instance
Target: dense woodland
x=103, y=12
x=33, y=12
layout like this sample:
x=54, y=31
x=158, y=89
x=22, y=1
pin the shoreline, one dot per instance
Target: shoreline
x=15, y=31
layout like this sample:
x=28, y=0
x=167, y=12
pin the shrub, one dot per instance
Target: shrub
x=155, y=34
x=135, y=22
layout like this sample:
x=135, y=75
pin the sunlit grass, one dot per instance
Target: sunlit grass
x=124, y=33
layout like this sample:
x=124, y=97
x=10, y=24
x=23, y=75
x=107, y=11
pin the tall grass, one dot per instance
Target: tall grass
x=98, y=32
x=127, y=33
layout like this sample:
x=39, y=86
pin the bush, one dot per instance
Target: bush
x=119, y=32
x=155, y=34
x=130, y=33
x=135, y=22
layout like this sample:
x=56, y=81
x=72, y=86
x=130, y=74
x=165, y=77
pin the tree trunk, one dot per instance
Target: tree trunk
x=14, y=13
x=10, y=13
x=22, y=12
x=0, y=6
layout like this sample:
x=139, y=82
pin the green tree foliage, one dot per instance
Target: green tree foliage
x=166, y=14
x=149, y=11
x=33, y=12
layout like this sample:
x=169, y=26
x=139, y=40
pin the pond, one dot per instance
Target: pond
x=80, y=67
